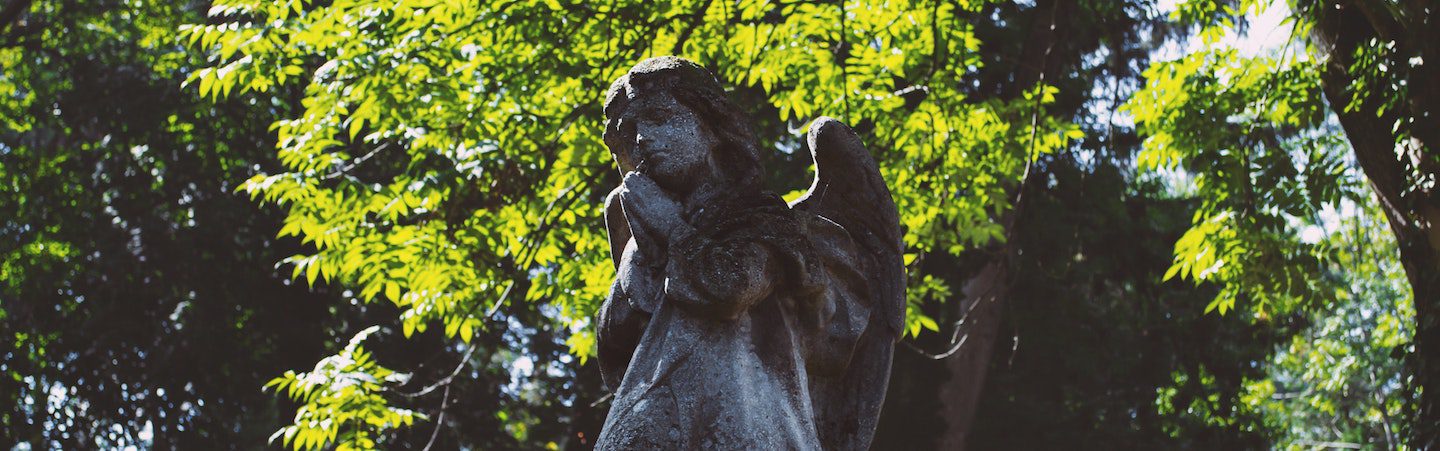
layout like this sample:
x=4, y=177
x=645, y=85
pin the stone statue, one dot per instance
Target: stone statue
x=737, y=321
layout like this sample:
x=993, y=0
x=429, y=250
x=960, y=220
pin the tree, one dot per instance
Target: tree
x=1390, y=118
x=138, y=296
x=446, y=153
x=1338, y=380
x=1216, y=390
x=435, y=173
x=1258, y=134
x=1071, y=47
x=1088, y=336
x=141, y=301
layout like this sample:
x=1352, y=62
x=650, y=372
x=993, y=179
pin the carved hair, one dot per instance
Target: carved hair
x=738, y=155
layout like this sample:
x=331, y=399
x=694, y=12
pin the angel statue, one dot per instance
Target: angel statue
x=737, y=321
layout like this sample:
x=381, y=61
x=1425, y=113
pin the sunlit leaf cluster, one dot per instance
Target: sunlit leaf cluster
x=1285, y=227
x=342, y=400
x=120, y=237
x=1248, y=136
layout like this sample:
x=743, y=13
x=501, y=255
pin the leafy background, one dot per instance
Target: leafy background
x=386, y=214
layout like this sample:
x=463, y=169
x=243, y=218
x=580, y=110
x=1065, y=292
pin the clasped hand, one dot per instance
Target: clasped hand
x=654, y=217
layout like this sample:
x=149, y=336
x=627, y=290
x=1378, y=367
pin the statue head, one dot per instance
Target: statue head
x=669, y=118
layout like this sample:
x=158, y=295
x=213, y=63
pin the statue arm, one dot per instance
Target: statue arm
x=720, y=278
x=621, y=321
x=620, y=327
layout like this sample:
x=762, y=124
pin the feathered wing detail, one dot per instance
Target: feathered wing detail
x=849, y=191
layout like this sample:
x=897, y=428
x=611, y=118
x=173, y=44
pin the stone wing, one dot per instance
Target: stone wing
x=848, y=189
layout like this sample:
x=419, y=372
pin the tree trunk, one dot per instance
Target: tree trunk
x=1411, y=208
x=986, y=293
x=1412, y=216
x=961, y=395
x=1425, y=280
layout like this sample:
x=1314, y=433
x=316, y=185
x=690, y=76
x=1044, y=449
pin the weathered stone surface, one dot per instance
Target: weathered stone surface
x=737, y=321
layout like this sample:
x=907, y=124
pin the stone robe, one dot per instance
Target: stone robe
x=718, y=346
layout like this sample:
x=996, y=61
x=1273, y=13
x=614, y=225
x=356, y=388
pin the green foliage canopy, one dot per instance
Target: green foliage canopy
x=448, y=154
x=139, y=303
x=1250, y=135
x=444, y=158
x=1286, y=226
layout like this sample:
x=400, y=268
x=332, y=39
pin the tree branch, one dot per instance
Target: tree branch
x=439, y=419
x=444, y=382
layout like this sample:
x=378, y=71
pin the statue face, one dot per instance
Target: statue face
x=666, y=140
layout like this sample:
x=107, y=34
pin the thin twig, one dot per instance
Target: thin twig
x=501, y=301
x=1345, y=445
x=941, y=356
x=345, y=169
x=439, y=419
x=1030, y=155
x=957, y=341
x=602, y=399
x=445, y=382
